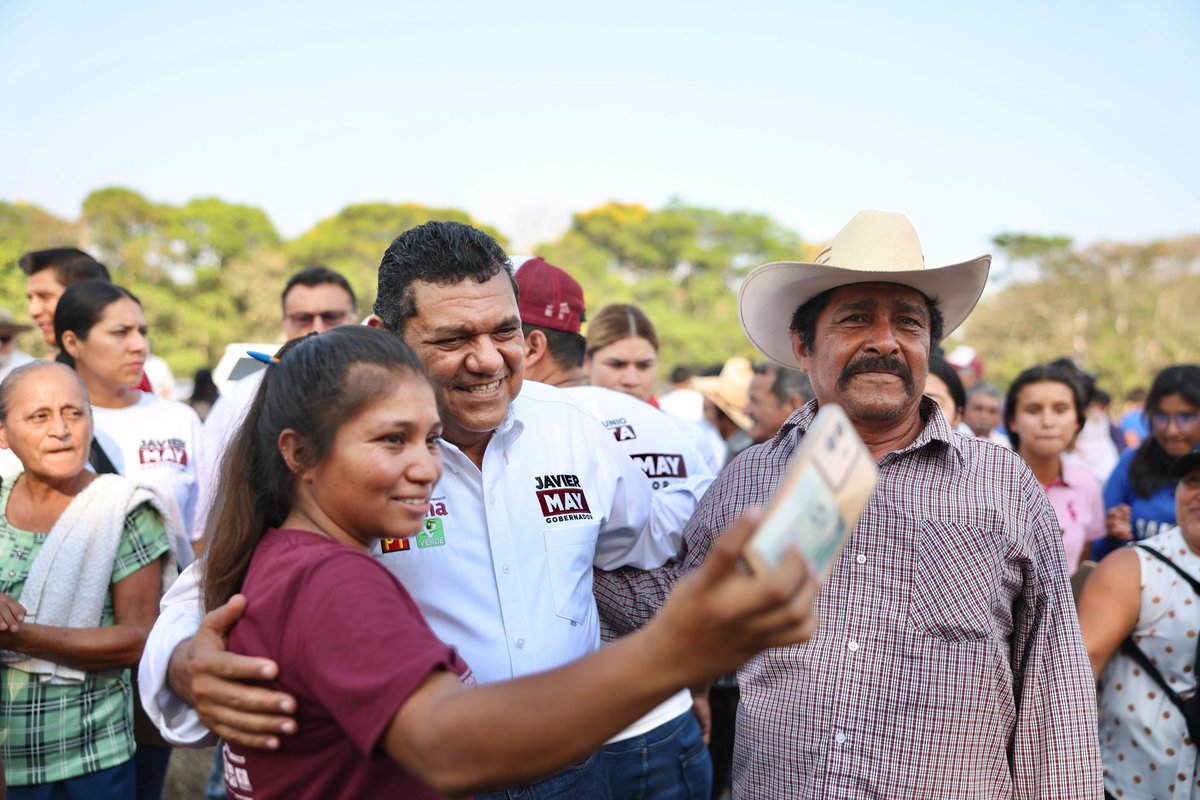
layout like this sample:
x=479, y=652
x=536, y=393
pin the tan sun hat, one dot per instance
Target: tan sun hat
x=729, y=391
x=875, y=247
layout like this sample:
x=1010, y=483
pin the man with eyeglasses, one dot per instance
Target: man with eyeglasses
x=313, y=301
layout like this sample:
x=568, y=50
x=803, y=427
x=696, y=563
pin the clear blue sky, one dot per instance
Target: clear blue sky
x=1080, y=118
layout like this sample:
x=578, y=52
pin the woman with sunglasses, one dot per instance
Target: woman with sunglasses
x=1140, y=494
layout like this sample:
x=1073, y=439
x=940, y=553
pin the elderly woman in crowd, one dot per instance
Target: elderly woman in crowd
x=81, y=560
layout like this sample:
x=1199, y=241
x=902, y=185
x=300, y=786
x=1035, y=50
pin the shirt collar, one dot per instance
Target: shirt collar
x=936, y=432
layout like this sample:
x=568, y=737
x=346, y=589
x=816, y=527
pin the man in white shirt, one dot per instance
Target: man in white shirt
x=662, y=754
x=534, y=493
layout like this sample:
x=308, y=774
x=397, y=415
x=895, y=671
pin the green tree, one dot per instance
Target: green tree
x=1124, y=310
x=682, y=264
x=353, y=240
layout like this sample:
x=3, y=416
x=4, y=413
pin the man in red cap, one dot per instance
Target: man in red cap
x=663, y=754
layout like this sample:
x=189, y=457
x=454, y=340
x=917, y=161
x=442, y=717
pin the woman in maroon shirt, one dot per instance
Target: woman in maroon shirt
x=339, y=449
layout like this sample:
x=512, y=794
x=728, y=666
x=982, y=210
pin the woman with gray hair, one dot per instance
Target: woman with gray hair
x=81, y=564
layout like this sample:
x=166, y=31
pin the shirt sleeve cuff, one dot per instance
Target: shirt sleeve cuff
x=178, y=722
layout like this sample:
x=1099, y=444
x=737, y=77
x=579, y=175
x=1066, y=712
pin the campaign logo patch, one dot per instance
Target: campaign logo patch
x=395, y=545
x=561, y=498
x=163, y=452
x=620, y=428
x=434, y=534
x=661, y=465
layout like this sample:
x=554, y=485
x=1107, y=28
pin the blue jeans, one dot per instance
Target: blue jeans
x=586, y=780
x=215, y=790
x=670, y=762
x=114, y=783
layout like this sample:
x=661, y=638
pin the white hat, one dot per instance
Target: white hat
x=875, y=247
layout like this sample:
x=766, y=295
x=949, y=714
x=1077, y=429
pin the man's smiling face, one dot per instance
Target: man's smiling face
x=468, y=336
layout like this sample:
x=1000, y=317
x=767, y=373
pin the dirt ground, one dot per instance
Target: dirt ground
x=188, y=774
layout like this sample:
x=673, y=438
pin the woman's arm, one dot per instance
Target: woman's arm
x=509, y=733
x=135, y=605
x=1109, y=606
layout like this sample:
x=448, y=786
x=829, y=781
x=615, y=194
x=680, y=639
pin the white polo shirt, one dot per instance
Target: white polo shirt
x=503, y=570
x=661, y=446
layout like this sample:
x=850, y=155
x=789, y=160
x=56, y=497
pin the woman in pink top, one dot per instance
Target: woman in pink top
x=340, y=448
x=1043, y=413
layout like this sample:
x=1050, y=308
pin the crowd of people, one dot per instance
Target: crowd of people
x=469, y=547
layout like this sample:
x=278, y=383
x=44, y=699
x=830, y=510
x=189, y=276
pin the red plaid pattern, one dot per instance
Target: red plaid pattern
x=948, y=663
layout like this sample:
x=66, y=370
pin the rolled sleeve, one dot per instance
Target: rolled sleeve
x=178, y=620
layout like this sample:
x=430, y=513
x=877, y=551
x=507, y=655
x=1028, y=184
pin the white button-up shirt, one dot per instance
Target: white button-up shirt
x=503, y=569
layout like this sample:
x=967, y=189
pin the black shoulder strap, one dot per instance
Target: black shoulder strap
x=1195, y=584
x=100, y=460
x=1133, y=651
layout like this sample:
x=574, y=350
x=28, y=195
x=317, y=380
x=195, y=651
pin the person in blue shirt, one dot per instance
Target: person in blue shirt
x=1140, y=494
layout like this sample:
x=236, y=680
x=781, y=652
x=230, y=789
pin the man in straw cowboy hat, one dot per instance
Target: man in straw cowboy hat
x=949, y=662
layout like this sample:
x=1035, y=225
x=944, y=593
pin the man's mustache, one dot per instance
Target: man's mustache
x=872, y=364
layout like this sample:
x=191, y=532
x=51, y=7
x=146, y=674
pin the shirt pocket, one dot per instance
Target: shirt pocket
x=569, y=556
x=955, y=578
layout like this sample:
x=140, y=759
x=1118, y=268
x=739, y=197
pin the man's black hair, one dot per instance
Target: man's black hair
x=70, y=265
x=441, y=253
x=318, y=275
x=567, y=349
x=804, y=321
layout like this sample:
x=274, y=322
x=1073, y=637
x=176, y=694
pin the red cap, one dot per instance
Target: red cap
x=550, y=298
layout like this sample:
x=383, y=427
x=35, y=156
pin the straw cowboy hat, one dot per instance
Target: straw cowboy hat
x=729, y=391
x=875, y=247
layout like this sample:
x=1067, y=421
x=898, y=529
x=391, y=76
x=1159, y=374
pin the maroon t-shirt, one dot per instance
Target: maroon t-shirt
x=352, y=647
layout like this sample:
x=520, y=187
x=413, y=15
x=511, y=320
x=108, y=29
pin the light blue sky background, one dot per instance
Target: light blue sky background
x=1079, y=118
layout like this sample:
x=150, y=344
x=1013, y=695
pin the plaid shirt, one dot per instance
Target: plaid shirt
x=52, y=733
x=948, y=663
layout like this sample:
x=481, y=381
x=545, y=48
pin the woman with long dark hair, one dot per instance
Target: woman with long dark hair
x=1140, y=493
x=339, y=449
x=1043, y=413
x=155, y=442
x=102, y=331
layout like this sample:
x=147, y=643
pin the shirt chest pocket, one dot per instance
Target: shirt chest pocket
x=955, y=579
x=569, y=556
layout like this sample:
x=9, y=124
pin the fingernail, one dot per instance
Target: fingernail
x=272, y=744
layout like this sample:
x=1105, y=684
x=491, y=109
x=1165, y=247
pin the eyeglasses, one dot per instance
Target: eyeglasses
x=1163, y=421
x=330, y=318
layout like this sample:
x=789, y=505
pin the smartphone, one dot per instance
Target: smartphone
x=819, y=501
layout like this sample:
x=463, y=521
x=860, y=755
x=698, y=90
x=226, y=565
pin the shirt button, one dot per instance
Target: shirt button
x=840, y=738
x=493, y=500
x=861, y=559
x=520, y=644
x=507, y=569
x=852, y=647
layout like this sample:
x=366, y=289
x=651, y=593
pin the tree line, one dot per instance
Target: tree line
x=209, y=272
